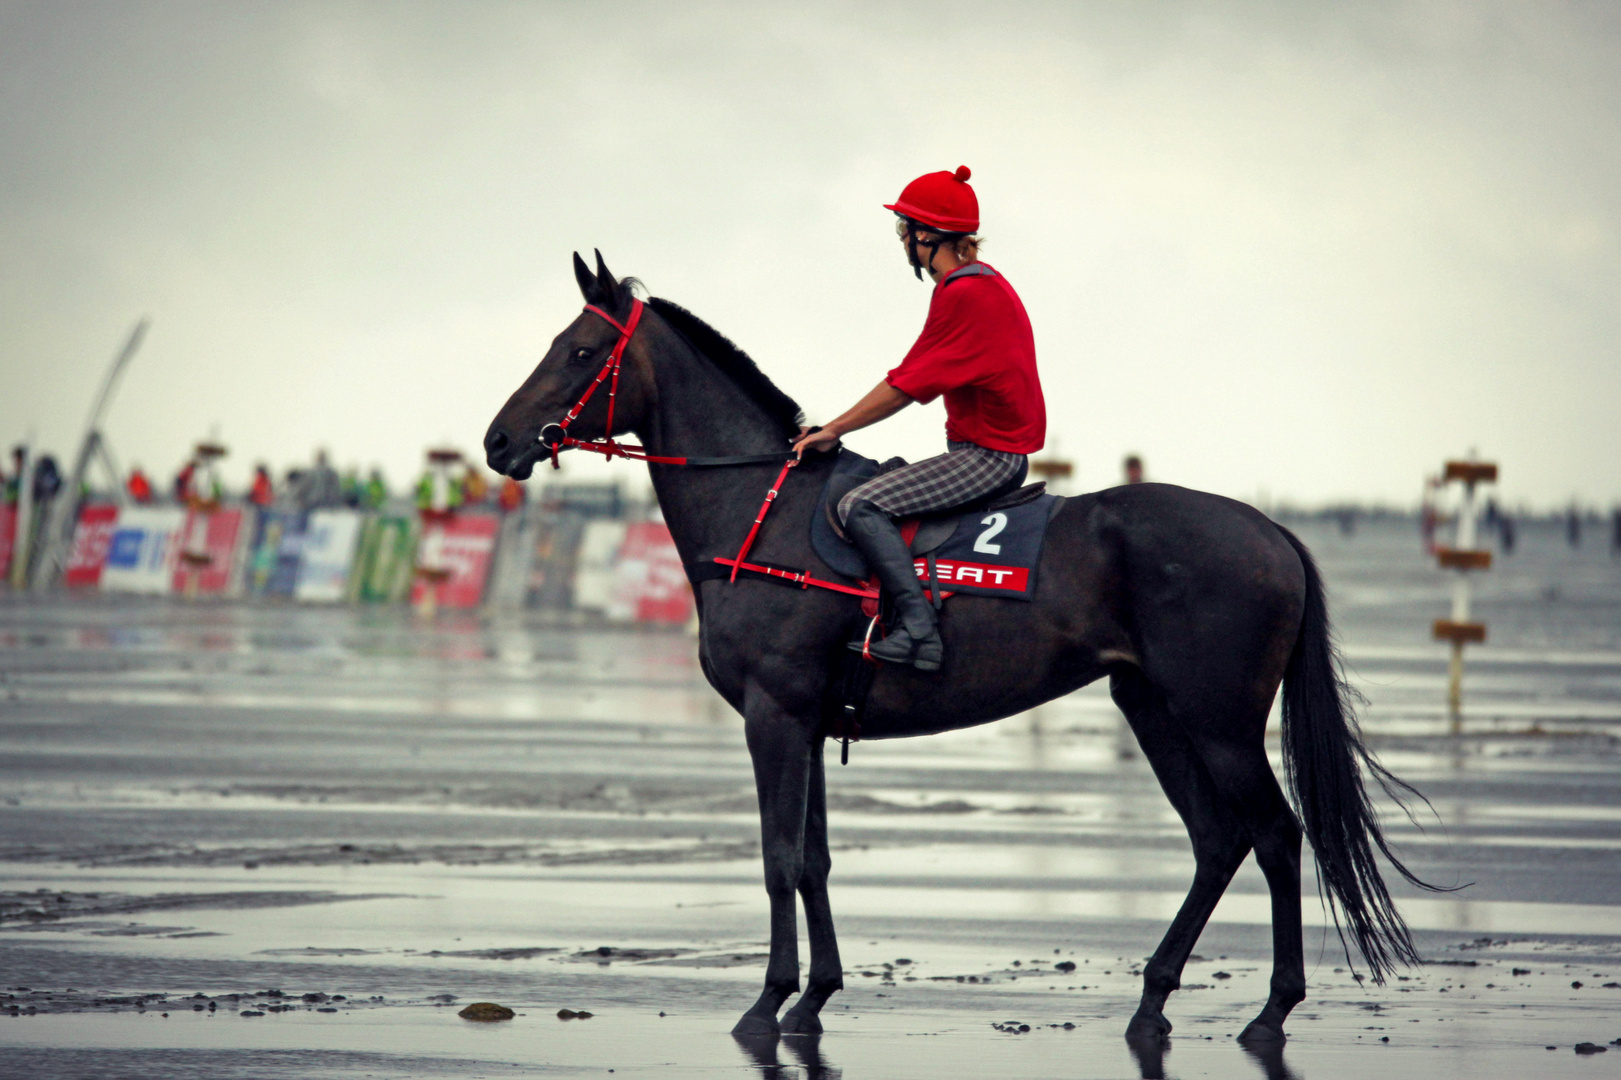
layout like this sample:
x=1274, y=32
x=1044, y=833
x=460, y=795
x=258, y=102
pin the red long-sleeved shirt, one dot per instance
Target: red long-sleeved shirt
x=977, y=349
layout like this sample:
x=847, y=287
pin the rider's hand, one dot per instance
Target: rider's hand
x=821, y=439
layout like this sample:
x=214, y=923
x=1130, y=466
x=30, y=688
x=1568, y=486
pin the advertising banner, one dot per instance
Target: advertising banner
x=384, y=568
x=8, y=537
x=222, y=533
x=464, y=547
x=277, y=548
x=327, y=555
x=595, y=573
x=650, y=584
x=514, y=549
x=551, y=567
x=145, y=545
x=92, y=537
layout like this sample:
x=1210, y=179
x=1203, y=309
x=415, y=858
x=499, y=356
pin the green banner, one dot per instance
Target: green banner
x=387, y=560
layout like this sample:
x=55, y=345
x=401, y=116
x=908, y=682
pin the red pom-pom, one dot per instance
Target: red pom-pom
x=963, y=173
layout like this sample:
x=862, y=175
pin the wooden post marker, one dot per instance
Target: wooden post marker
x=1052, y=468
x=437, y=498
x=203, y=499
x=1463, y=558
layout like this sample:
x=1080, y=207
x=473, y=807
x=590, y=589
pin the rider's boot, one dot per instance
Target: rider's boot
x=916, y=638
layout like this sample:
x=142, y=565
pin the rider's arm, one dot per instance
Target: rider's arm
x=880, y=402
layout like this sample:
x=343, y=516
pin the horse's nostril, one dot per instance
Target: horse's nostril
x=497, y=441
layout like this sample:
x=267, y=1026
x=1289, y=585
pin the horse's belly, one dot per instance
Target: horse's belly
x=904, y=703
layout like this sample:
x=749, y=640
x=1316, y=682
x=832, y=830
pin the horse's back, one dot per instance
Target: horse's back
x=1193, y=538
x=1209, y=589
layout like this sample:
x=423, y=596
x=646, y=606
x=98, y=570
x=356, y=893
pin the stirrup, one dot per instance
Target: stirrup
x=925, y=655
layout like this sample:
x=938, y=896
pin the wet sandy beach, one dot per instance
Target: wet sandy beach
x=264, y=841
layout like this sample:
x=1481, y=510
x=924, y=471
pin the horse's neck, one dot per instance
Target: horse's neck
x=700, y=412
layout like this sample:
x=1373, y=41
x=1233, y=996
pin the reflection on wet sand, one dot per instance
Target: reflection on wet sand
x=806, y=1050
x=1150, y=1055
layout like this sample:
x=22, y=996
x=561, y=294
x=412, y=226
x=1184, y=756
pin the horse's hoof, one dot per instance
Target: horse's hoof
x=1260, y=1034
x=796, y=1022
x=754, y=1024
x=1148, y=1026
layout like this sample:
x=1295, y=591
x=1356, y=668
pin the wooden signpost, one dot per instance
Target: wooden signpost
x=437, y=502
x=1464, y=557
x=1055, y=470
x=203, y=500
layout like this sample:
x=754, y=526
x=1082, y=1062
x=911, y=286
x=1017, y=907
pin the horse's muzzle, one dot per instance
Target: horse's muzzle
x=507, y=455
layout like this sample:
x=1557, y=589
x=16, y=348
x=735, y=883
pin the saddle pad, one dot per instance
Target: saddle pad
x=832, y=549
x=993, y=552
x=1015, y=532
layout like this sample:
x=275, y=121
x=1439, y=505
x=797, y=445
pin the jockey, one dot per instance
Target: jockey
x=977, y=351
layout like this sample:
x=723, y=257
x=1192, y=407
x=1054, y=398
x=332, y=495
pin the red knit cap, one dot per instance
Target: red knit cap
x=941, y=200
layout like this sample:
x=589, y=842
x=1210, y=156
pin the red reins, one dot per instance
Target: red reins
x=607, y=447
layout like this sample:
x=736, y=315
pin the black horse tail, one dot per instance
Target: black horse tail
x=1324, y=759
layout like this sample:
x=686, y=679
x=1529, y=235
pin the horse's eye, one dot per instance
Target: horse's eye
x=581, y=353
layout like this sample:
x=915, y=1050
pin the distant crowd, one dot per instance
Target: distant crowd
x=317, y=486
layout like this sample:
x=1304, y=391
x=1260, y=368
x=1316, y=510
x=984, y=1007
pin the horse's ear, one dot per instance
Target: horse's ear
x=608, y=285
x=588, y=281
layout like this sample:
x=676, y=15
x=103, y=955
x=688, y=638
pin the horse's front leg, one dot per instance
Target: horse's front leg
x=826, y=971
x=780, y=745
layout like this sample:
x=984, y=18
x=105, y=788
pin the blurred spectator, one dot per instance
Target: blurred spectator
x=13, y=484
x=139, y=486
x=47, y=480
x=1573, y=527
x=1429, y=517
x=512, y=495
x=320, y=487
x=1134, y=469
x=475, y=488
x=376, y=491
x=182, y=481
x=292, y=487
x=1505, y=534
x=262, y=493
x=453, y=492
x=194, y=484
x=1615, y=533
x=349, y=485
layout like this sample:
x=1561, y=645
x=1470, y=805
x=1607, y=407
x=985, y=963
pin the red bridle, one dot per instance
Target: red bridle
x=607, y=447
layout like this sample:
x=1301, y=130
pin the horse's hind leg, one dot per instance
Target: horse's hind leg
x=780, y=745
x=1244, y=776
x=826, y=971
x=1219, y=839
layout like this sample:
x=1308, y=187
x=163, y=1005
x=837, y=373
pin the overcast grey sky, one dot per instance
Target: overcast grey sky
x=1306, y=250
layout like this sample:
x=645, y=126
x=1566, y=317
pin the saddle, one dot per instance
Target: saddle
x=931, y=534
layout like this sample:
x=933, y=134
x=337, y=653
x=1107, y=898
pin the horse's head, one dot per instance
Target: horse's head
x=513, y=444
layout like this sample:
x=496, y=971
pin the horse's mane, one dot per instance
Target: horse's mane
x=733, y=362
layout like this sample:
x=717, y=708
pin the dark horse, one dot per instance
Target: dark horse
x=1195, y=607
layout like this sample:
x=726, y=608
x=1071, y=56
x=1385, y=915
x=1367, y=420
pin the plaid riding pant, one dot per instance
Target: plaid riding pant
x=967, y=471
